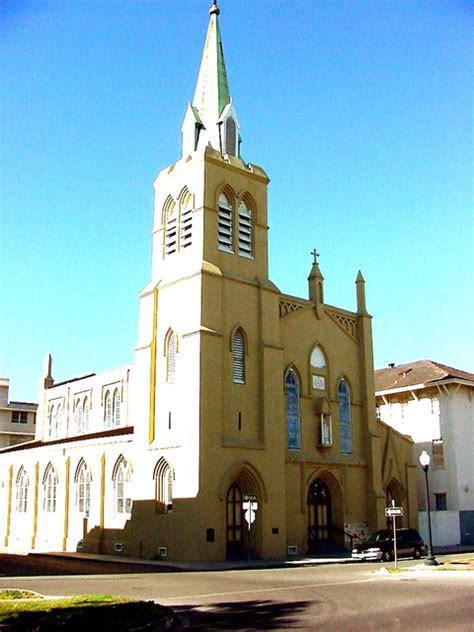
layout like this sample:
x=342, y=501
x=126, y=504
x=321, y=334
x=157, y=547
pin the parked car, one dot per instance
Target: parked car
x=379, y=545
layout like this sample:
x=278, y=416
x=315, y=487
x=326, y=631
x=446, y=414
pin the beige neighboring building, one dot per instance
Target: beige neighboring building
x=17, y=419
x=239, y=393
x=434, y=404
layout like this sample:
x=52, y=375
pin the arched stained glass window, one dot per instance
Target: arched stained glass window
x=108, y=419
x=79, y=417
x=238, y=357
x=86, y=415
x=22, y=485
x=116, y=408
x=345, y=422
x=292, y=393
x=51, y=422
x=83, y=489
x=122, y=484
x=50, y=485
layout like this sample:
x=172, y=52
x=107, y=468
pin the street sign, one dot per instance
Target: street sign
x=250, y=506
x=249, y=516
x=393, y=511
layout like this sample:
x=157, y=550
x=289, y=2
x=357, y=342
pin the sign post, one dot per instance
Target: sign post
x=250, y=506
x=393, y=512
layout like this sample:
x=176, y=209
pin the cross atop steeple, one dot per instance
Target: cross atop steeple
x=315, y=255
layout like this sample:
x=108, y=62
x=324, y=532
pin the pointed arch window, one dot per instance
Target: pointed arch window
x=225, y=224
x=50, y=486
x=79, y=416
x=164, y=476
x=52, y=421
x=238, y=357
x=86, y=415
x=345, y=421
x=293, y=422
x=171, y=227
x=230, y=137
x=83, y=488
x=108, y=419
x=22, y=486
x=186, y=223
x=170, y=352
x=245, y=231
x=122, y=478
x=116, y=407
x=55, y=421
x=318, y=369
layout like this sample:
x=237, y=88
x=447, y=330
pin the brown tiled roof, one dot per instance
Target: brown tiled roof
x=27, y=445
x=419, y=372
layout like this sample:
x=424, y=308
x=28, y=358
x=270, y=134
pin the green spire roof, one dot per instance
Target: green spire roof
x=212, y=90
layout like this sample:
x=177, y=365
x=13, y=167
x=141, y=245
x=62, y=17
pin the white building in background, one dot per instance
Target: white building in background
x=17, y=419
x=434, y=404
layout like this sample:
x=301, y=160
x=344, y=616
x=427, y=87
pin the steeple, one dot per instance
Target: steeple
x=210, y=118
x=315, y=282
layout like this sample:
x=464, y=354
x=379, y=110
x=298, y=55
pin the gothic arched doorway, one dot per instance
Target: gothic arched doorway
x=320, y=512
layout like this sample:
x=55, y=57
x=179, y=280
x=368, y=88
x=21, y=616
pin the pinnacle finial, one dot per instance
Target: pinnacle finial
x=214, y=9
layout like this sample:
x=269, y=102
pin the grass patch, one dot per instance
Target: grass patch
x=75, y=613
x=458, y=565
x=15, y=593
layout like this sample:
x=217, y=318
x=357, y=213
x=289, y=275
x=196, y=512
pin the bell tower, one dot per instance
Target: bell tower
x=210, y=206
x=209, y=299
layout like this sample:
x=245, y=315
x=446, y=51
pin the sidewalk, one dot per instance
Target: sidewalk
x=292, y=562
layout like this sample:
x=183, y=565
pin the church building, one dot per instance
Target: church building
x=246, y=425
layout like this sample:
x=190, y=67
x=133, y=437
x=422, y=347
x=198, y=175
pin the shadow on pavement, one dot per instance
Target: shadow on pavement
x=36, y=564
x=247, y=615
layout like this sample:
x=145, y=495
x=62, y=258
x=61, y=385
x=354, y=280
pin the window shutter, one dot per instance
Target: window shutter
x=171, y=359
x=224, y=228
x=171, y=236
x=239, y=358
x=186, y=227
x=245, y=231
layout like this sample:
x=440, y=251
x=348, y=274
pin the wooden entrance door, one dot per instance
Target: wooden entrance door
x=235, y=522
x=320, y=514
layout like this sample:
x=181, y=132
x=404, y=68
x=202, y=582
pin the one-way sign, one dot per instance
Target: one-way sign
x=393, y=511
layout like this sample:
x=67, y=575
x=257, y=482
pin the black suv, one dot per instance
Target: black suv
x=379, y=545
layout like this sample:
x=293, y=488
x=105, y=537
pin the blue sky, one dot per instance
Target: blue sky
x=360, y=112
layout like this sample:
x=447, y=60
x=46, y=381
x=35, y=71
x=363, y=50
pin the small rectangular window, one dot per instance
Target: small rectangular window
x=19, y=417
x=441, y=502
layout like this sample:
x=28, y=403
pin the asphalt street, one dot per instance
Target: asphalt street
x=326, y=597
